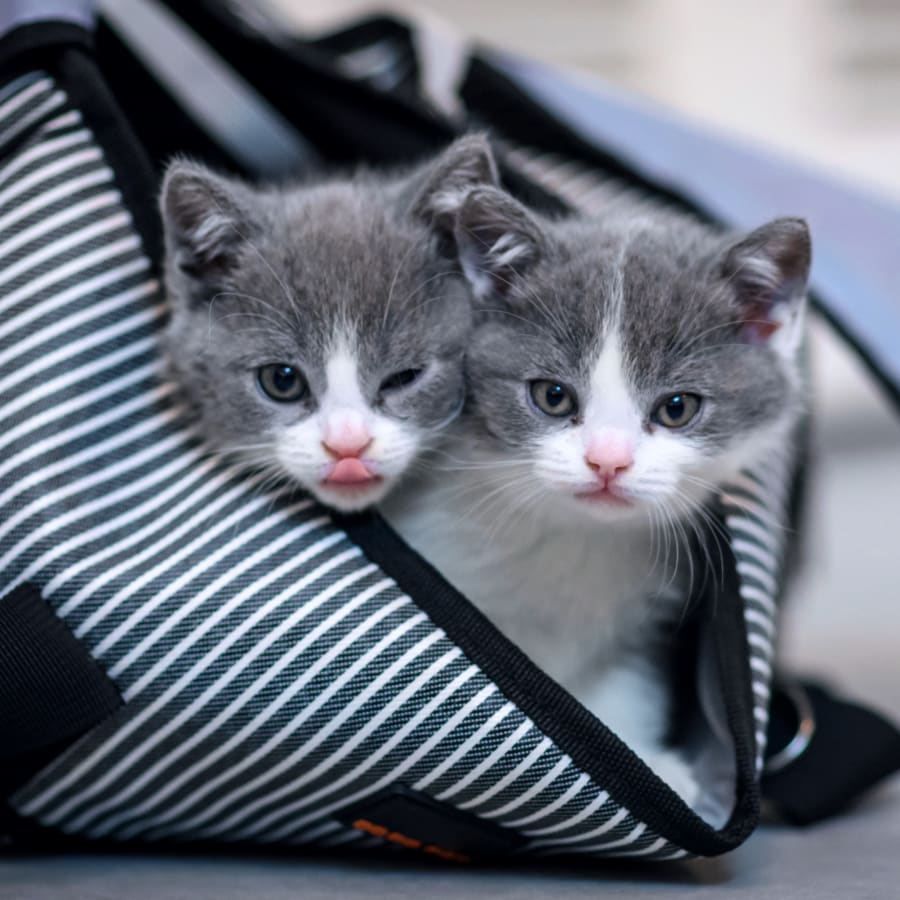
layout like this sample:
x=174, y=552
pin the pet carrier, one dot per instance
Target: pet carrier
x=186, y=658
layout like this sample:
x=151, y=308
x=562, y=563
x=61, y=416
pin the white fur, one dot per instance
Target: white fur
x=789, y=336
x=508, y=249
x=211, y=231
x=761, y=269
x=450, y=200
x=342, y=374
x=789, y=317
x=571, y=594
x=610, y=401
x=479, y=279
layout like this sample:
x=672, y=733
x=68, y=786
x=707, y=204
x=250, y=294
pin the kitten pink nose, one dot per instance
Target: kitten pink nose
x=610, y=454
x=346, y=436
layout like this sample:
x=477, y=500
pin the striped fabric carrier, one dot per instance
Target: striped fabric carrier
x=286, y=678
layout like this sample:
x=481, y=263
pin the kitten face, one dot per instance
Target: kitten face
x=634, y=363
x=319, y=331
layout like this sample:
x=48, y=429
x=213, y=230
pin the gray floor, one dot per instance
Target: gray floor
x=853, y=857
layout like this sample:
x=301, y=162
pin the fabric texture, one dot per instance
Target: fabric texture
x=272, y=674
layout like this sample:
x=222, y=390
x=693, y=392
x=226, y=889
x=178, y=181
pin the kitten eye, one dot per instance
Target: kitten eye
x=282, y=382
x=553, y=398
x=400, y=379
x=676, y=411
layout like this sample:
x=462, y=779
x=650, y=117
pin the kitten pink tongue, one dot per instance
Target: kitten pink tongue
x=349, y=471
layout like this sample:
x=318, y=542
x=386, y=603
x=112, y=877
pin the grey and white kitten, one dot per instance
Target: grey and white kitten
x=319, y=329
x=621, y=369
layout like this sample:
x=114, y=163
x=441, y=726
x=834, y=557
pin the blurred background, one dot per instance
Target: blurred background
x=817, y=81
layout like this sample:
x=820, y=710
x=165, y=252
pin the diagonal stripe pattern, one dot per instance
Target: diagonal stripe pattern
x=272, y=673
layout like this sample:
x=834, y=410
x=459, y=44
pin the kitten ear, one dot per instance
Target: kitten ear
x=467, y=163
x=768, y=269
x=497, y=241
x=202, y=218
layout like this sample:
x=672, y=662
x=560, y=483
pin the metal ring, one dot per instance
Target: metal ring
x=806, y=728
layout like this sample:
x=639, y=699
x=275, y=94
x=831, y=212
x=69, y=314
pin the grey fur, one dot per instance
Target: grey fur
x=689, y=299
x=267, y=275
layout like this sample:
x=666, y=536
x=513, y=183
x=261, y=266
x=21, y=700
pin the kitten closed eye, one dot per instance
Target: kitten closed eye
x=400, y=379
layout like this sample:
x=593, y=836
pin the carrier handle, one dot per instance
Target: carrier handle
x=825, y=752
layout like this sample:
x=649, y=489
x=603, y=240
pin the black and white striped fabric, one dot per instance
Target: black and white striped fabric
x=272, y=673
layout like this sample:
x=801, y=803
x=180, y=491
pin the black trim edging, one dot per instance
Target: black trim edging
x=593, y=747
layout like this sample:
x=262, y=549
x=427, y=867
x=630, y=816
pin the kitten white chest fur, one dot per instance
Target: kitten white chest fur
x=582, y=596
x=580, y=599
x=571, y=594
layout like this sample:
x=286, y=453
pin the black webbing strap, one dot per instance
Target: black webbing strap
x=51, y=689
x=826, y=751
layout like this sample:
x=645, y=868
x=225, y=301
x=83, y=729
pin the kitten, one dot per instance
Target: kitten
x=319, y=329
x=620, y=369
